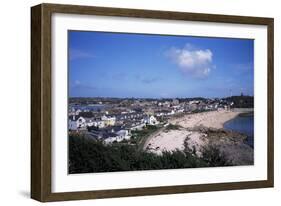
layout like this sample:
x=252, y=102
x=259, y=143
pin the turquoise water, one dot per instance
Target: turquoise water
x=243, y=124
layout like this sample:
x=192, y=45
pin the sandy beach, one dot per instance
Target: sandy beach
x=174, y=140
x=170, y=140
x=213, y=119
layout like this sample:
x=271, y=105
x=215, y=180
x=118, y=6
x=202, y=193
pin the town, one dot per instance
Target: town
x=115, y=119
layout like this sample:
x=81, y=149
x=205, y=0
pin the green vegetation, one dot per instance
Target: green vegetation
x=214, y=157
x=246, y=114
x=173, y=127
x=87, y=155
x=242, y=101
x=91, y=128
x=139, y=137
x=86, y=114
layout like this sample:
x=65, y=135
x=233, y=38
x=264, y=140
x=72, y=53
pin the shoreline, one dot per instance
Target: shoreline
x=200, y=130
x=212, y=119
x=174, y=139
x=249, y=140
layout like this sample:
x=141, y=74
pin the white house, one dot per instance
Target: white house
x=99, y=124
x=72, y=125
x=89, y=122
x=123, y=133
x=77, y=112
x=120, y=135
x=108, y=121
x=171, y=112
x=77, y=123
x=150, y=120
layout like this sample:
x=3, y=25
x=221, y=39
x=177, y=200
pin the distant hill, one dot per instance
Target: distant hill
x=241, y=101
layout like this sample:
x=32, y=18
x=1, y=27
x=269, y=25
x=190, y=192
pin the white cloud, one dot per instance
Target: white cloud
x=191, y=61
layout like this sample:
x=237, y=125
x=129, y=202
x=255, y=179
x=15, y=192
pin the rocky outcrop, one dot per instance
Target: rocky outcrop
x=231, y=144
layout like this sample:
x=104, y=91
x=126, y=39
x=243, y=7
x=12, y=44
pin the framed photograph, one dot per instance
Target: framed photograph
x=130, y=102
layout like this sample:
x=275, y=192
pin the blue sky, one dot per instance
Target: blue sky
x=157, y=66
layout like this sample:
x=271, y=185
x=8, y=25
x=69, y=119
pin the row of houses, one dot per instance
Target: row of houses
x=107, y=130
x=110, y=135
x=77, y=122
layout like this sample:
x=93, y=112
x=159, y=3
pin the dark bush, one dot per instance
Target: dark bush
x=214, y=157
x=88, y=155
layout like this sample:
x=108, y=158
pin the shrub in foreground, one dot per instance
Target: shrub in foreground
x=87, y=156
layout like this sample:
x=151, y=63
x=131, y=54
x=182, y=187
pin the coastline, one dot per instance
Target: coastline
x=243, y=124
x=212, y=119
x=200, y=130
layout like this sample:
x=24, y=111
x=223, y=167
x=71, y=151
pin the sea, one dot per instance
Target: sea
x=243, y=124
x=93, y=107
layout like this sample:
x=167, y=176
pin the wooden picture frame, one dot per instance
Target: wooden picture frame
x=41, y=116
